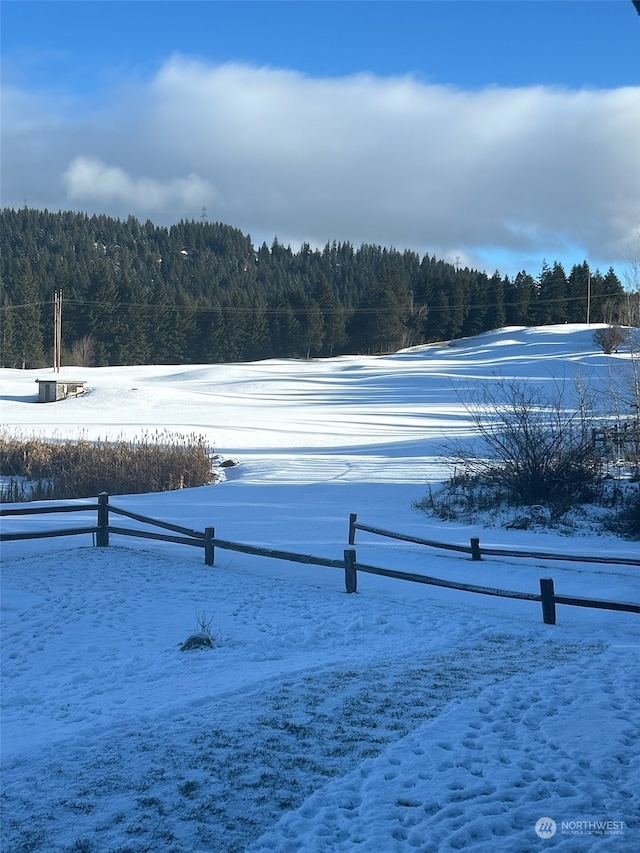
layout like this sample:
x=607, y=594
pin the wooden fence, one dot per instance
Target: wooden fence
x=616, y=440
x=349, y=564
x=102, y=528
x=476, y=551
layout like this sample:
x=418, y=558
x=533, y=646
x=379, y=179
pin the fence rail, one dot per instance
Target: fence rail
x=425, y=579
x=46, y=534
x=165, y=524
x=277, y=555
x=162, y=537
x=477, y=551
x=44, y=510
x=208, y=541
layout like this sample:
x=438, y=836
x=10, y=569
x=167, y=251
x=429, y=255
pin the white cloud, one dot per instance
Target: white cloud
x=535, y=171
x=88, y=178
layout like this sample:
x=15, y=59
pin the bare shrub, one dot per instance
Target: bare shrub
x=83, y=352
x=609, y=338
x=203, y=637
x=625, y=519
x=624, y=395
x=532, y=451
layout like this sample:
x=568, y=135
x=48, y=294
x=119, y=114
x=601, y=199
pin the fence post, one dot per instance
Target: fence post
x=209, y=533
x=475, y=549
x=102, y=533
x=350, y=575
x=547, y=597
x=352, y=527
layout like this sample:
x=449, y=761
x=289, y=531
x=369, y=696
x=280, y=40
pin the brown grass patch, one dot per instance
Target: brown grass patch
x=40, y=469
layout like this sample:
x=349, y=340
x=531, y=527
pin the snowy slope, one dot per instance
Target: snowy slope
x=401, y=718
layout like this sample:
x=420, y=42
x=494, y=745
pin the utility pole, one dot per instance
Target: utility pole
x=57, y=330
x=588, y=297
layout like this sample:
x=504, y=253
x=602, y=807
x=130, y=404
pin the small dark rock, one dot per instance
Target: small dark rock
x=229, y=463
x=197, y=641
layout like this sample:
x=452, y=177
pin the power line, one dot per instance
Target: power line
x=359, y=309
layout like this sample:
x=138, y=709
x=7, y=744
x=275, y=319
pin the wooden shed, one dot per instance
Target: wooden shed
x=50, y=390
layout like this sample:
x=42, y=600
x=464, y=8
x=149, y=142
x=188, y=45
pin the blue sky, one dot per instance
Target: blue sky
x=500, y=132
x=84, y=46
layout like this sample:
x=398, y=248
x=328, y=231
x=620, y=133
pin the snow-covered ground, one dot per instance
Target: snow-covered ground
x=405, y=717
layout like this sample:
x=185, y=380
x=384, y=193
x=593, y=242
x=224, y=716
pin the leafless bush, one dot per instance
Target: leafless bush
x=624, y=395
x=609, y=338
x=82, y=353
x=532, y=450
x=627, y=520
x=203, y=624
x=203, y=637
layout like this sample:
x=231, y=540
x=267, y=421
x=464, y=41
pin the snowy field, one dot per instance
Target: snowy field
x=402, y=718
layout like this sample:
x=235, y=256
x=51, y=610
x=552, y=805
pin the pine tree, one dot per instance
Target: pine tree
x=457, y=302
x=27, y=321
x=258, y=340
x=611, y=303
x=132, y=344
x=212, y=336
x=495, y=316
x=380, y=321
x=285, y=331
x=313, y=329
x=9, y=355
x=333, y=314
x=519, y=295
x=162, y=325
x=578, y=291
x=98, y=313
x=477, y=305
x=552, y=306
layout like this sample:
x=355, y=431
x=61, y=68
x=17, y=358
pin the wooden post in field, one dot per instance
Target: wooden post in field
x=209, y=534
x=352, y=528
x=475, y=549
x=102, y=533
x=350, y=575
x=547, y=596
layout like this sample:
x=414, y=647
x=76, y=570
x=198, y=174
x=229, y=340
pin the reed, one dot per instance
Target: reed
x=37, y=469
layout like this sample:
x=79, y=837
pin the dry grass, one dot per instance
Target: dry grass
x=155, y=462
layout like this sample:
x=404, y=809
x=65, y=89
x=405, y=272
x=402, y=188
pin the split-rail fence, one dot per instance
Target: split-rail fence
x=103, y=529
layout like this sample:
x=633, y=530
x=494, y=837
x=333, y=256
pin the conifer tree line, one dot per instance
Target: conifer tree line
x=200, y=292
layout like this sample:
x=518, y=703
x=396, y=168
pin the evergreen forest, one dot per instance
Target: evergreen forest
x=201, y=292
